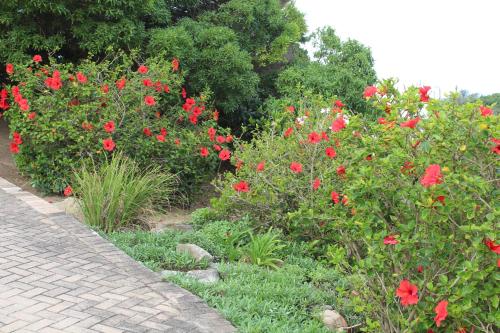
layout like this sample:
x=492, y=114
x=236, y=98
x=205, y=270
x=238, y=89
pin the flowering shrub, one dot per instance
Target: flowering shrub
x=407, y=204
x=62, y=116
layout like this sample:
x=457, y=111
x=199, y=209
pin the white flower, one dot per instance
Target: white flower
x=301, y=120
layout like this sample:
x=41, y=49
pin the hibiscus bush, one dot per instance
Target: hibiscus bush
x=62, y=115
x=407, y=205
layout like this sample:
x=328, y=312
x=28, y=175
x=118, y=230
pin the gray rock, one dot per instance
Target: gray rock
x=70, y=206
x=333, y=320
x=194, y=251
x=205, y=275
x=172, y=220
x=167, y=273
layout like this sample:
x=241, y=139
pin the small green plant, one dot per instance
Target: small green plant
x=115, y=194
x=158, y=250
x=263, y=250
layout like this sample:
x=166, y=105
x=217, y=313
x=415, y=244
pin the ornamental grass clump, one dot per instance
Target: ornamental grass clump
x=118, y=193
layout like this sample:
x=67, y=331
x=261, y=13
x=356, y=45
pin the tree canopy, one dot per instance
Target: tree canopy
x=243, y=51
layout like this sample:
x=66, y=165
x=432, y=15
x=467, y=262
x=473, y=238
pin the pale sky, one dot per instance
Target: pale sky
x=440, y=43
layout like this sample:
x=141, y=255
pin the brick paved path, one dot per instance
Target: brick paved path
x=56, y=275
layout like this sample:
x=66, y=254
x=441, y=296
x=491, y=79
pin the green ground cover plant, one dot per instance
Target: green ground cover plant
x=255, y=298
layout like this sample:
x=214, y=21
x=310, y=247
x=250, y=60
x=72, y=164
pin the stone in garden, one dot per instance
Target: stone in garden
x=333, y=320
x=174, y=220
x=194, y=251
x=70, y=206
x=205, y=275
x=167, y=273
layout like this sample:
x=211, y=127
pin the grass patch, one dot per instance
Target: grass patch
x=254, y=298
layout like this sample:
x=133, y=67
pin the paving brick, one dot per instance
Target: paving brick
x=57, y=275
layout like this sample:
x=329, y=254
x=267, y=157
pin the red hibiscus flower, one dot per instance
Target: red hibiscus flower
x=338, y=124
x=9, y=69
x=120, y=84
x=229, y=138
x=54, y=82
x=108, y=144
x=147, y=131
x=147, y=83
x=23, y=104
x=193, y=119
x=424, y=96
x=441, y=312
x=296, y=167
x=242, y=186
x=341, y=170
x=37, y=58
x=390, y=240
x=220, y=139
x=68, y=191
x=149, y=100
x=217, y=147
x=109, y=126
x=14, y=148
x=330, y=152
x=175, y=65
x=204, y=152
x=16, y=138
x=4, y=94
x=142, y=69
x=160, y=138
x=369, y=91
x=339, y=104
x=382, y=121
x=224, y=155
x=211, y=133
x=492, y=245
x=184, y=92
x=324, y=136
x=32, y=116
x=105, y=89
x=261, y=166
x=432, y=176
x=410, y=123
x=288, y=132
x=291, y=109
x=316, y=183
x=407, y=292
x=335, y=197
x=81, y=77
x=441, y=198
x=314, y=138
x=486, y=112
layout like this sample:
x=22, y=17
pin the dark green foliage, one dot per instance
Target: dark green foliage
x=340, y=69
x=71, y=29
x=212, y=57
x=238, y=49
